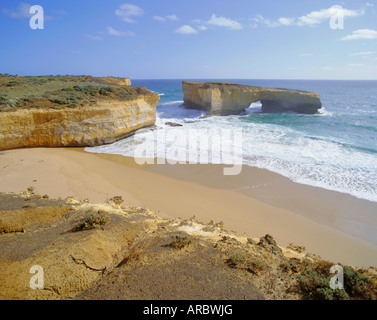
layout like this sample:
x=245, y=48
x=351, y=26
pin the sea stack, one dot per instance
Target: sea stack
x=222, y=98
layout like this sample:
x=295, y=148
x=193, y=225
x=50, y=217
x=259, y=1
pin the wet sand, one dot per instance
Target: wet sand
x=338, y=227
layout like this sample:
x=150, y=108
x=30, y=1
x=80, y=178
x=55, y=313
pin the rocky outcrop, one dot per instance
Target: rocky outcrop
x=220, y=98
x=118, y=81
x=106, y=251
x=97, y=123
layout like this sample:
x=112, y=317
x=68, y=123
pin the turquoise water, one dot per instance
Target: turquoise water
x=336, y=149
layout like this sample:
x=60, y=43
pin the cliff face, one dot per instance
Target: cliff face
x=64, y=111
x=119, y=81
x=104, y=122
x=228, y=98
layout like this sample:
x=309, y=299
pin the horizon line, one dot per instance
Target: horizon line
x=192, y=78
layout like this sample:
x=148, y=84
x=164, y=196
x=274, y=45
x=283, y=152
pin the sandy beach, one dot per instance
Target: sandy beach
x=338, y=227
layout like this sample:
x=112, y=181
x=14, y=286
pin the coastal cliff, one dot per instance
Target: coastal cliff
x=72, y=112
x=105, y=122
x=220, y=98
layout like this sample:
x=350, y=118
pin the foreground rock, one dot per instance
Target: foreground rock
x=108, y=251
x=71, y=111
x=220, y=98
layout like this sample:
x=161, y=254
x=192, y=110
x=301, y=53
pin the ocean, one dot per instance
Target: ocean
x=335, y=150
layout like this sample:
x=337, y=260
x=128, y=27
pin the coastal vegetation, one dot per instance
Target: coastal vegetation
x=314, y=281
x=71, y=111
x=95, y=219
x=61, y=91
x=131, y=253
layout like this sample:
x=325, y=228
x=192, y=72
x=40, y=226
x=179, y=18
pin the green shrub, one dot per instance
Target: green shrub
x=256, y=266
x=315, y=281
x=332, y=294
x=3, y=100
x=240, y=261
x=317, y=285
x=179, y=241
x=10, y=84
x=96, y=219
x=235, y=259
x=68, y=89
x=87, y=89
x=358, y=285
x=294, y=265
x=105, y=90
x=59, y=101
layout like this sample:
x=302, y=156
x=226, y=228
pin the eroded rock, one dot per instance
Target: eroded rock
x=220, y=98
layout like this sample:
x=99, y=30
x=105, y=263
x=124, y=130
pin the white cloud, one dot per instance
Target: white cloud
x=186, y=29
x=126, y=11
x=89, y=36
x=112, y=32
x=361, y=34
x=286, y=21
x=158, y=18
x=23, y=11
x=259, y=19
x=215, y=21
x=368, y=4
x=172, y=17
x=364, y=53
x=224, y=22
x=311, y=19
x=353, y=65
x=317, y=17
x=200, y=25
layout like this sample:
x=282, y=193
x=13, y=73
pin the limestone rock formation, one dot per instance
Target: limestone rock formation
x=72, y=111
x=105, y=251
x=105, y=122
x=220, y=98
x=119, y=81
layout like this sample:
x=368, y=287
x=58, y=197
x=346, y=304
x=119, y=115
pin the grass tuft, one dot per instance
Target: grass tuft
x=96, y=219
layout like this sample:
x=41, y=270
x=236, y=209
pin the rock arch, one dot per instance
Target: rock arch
x=222, y=98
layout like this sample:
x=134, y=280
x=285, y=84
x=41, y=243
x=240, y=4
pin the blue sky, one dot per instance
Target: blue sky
x=213, y=39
